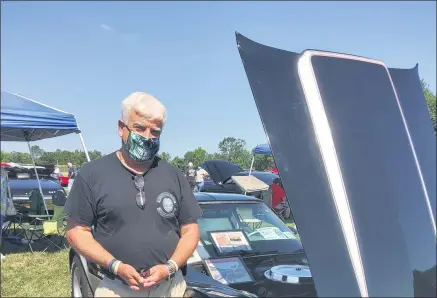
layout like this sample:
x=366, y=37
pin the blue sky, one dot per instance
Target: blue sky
x=85, y=57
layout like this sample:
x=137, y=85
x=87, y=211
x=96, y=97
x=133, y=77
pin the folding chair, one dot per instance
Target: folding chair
x=31, y=219
x=56, y=227
x=38, y=227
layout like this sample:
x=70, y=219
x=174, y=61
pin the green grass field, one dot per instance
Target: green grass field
x=35, y=275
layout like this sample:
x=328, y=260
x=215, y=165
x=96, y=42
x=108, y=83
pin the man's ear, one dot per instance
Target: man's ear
x=120, y=128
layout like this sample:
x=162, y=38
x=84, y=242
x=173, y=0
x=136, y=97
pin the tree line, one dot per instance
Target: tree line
x=431, y=102
x=61, y=157
x=230, y=149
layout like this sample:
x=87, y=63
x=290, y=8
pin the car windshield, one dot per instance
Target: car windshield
x=263, y=229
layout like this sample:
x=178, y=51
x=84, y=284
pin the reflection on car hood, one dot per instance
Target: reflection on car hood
x=355, y=150
x=22, y=187
x=205, y=284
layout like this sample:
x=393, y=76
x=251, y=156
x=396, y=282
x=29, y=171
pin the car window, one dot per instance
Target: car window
x=262, y=227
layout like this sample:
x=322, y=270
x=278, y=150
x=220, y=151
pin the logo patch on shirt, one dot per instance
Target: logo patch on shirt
x=167, y=205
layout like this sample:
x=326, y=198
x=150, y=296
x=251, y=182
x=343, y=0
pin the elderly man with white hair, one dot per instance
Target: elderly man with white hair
x=142, y=209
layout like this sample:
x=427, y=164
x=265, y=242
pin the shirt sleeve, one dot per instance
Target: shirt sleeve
x=80, y=205
x=189, y=210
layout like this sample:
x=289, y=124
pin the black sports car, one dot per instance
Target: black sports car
x=274, y=263
x=221, y=172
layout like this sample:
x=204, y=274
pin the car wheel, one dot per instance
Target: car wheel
x=79, y=285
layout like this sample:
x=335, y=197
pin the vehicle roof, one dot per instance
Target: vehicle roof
x=205, y=197
x=255, y=173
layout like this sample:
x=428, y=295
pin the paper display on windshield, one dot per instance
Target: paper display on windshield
x=228, y=270
x=290, y=235
x=272, y=233
x=230, y=241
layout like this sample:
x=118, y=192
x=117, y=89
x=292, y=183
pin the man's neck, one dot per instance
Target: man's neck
x=132, y=165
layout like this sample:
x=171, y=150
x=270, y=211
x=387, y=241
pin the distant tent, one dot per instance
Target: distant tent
x=263, y=149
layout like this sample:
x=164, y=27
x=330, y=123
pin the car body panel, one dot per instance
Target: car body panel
x=63, y=180
x=415, y=109
x=21, y=187
x=211, y=197
x=386, y=199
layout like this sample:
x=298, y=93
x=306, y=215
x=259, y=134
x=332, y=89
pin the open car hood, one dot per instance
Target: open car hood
x=355, y=149
x=220, y=170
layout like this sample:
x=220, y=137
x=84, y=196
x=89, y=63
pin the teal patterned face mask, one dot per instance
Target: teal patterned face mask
x=140, y=148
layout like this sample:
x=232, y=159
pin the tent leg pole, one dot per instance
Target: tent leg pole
x=84, y=147
x=37, y=178
x=251, y=165
x=250, y=169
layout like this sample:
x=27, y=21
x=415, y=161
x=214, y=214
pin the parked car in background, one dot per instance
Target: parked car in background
x=63, y=180
x=23, y=180
x=221, y=172
x=273, y=170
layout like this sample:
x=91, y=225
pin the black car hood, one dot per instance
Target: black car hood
x=220, y=170
x=381, y=240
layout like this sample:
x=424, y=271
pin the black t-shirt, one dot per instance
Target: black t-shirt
x=103, y=196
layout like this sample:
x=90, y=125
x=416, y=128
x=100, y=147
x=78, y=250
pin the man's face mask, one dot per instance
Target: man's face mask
x=140, y=148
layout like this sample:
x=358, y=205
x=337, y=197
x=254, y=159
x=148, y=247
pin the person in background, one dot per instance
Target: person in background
x=134, y=214
x=71, y=175
x=279, y=199
x=190, y=173
x=56, y=171
x=201, y=174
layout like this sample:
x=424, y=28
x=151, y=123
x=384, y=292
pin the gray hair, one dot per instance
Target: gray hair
x=144, y=104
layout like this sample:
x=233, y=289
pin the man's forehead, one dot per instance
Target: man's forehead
x=142, y=122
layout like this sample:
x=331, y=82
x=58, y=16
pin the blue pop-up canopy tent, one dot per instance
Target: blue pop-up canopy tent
x=263, y=149
x=26, y=120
